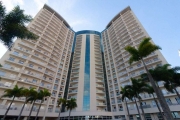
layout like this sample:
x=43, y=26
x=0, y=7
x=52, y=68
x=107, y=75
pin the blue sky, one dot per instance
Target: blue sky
x=160, y=18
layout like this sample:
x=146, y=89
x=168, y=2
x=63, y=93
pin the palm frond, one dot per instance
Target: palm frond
x=134, y=54
x=146, y=48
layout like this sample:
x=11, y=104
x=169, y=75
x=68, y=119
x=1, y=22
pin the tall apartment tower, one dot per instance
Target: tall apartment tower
x=87, y=65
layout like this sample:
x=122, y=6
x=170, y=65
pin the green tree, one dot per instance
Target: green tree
x=138, y=86
x=144, y=49
x=12, y=25
x=170, y=76
x=33, y=99
x=42, y=96
x=125, y=94
x=27, y=93
x=130, y=95
x=60, y=102
x=12, y=93
x=150, y=90
x=71, y=104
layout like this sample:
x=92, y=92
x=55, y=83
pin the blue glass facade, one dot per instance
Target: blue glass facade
x=86, y=94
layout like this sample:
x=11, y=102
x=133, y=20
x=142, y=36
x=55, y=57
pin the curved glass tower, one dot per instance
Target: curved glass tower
x=87, y=65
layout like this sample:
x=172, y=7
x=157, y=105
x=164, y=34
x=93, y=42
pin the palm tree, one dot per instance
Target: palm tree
x=27, y=93
x=60, y=102
x=146, y=48
x=12, y=25
x=33, y=98
x=125, y=94
x=130, y=95
x=41, y=96
x=138, y=86
x=71, y=104
x=170, y=76
x=12, y=93
x=150, y=90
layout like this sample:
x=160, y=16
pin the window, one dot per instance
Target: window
x=40, y=68
x=21, y=62
x=12, y=76
x=155, y=59
x=2, y=73
x=24, y=56
x=11, y=59
x=148, y=116
x=7, y=84
x=143, y=103
x=36, y=54
x=31, y=65
x=6, y=66
x=154, y=103
x=178, y=100
x=131, y=117
x=34, y=81
x=132, y=74
x=159, y=116
x=138, y=117
x=138, y=65
x=131, y=68
x=120, y=108
x=141, y=71
x=16, y=53
x=168, y=100
x=148, y=61
x=164, y=92
x=19, y=47
x=175, y=114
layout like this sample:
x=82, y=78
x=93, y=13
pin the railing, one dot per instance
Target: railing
x=74, y=81
x=73, y=86
x=72, y=91
x=101, y=103
x=98, y=97
x=19, y=108
x=100, y=91
x=99, y=80
x=99, y=85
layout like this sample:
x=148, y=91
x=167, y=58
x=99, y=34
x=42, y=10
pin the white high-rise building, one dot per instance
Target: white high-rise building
x=87, y=65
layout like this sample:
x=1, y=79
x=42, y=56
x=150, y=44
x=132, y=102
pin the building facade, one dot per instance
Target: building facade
x=87, y=65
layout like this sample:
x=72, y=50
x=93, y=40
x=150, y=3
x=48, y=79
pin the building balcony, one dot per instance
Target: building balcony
x=100, y=86
x=75, y=71
x=74, y=81
x=100, y=76
x=73, y=86
x=119, y=101
x=101, y=97
x=69, y=97
x=100, y=91
x=6, y=85
x=72, y=91
x=99, y=63
x=100, y=81
x=101, y=104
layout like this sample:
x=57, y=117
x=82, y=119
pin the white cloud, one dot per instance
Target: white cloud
x=40, y=3
x=9, y=4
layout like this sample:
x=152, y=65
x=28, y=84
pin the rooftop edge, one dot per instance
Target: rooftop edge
x=56, y=14
x=116, y=16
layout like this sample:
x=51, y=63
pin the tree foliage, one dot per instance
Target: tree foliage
x=145, y=48
x=12, y=25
